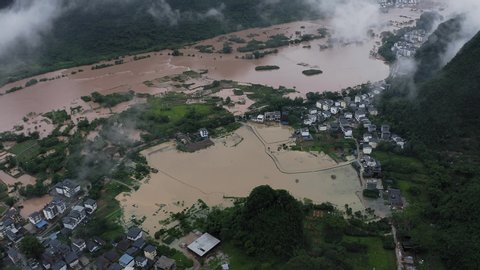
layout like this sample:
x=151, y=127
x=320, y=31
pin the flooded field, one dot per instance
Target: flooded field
x=343, y=66
x=34, y=204
x=232, y=168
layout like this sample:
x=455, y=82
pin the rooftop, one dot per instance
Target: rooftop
x=203, y=244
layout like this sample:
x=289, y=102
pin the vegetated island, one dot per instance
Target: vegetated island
x=267, y=67
x=311, y=72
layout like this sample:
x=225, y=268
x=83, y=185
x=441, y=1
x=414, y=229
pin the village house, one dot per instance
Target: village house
x=260, y=118
x=326, y=114
x=134, y=233
x=141, y=261
x=357, y=99
x=373, y=143
x=395, y=198
x=273, y=116
x=35, y=218
x=71, y=259
x=372, y=128
x=126, y=261
x=74, y=218
x=90, y=206
x=334, y=110
x=366, y=149
x=360, y=114
x=116, y=266
x=59, y=265
x=54, y=208
x=348, y=115
x=348, y=133
x=13, y=255
x=67, y=188
x=372, y=110
x=150, y=252
x=203, y=132
x=79, y=245
x=165, y=263
x=202, y=245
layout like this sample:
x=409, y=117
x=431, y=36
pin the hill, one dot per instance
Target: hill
x=440, y=115
x=429, y=55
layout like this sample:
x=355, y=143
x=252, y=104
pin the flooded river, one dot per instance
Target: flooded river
x=343, y=66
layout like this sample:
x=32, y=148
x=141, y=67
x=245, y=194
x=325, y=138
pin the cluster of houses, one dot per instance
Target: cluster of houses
x=131, y=252
x=409, y=43
x=398, y=3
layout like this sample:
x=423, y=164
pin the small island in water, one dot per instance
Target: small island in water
x=268, y=67
x=311, y=72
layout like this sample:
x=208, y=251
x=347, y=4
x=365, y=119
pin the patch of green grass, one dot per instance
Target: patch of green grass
x=182, y=261
x=2, y=209
x=376, y=258
x=26, y=150
x=240, y=261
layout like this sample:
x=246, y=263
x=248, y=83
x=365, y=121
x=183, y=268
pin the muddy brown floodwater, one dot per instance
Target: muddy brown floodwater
x=233, y=167
x=343, y=66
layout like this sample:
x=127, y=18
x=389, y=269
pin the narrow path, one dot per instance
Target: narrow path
x=279, y=166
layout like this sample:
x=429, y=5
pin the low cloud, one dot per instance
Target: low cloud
x=470, y=10
x=26, y=21
x=350, y=20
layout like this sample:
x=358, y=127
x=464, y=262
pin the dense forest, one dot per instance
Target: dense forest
x=97, y=30
x=440, y=116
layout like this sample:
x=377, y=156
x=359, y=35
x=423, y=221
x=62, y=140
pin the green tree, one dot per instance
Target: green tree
x=31, y=247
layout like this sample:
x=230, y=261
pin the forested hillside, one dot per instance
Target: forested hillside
x=428, y=56
x=98, y=30
x=441, y=117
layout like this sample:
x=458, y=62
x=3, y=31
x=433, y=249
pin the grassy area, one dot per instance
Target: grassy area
x=182, y=261
x=329, y=145
x=2, y=209
x=376, y=258
x=165, y=116
x=109, y=208
x=240, y=261
x=26, y=150
x=407, y=173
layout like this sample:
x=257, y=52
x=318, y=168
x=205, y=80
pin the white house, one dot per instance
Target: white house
x=367, y=149
x=343, y=104
x=367, y=137
x=80, y=244
x=357, y=99
x=347, y=132
x=203, y=133
x=90, y=205
x=67, y=188
x=334, y=110
x=54, y=208
x=35, y=218
x=260, y=118
x=348, y=115
x=150, y=252
x=359, y=114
